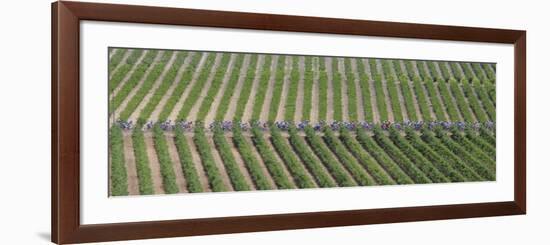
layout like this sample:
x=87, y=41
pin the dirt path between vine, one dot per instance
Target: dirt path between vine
x=344, y=168
x=158, y=109
x=219, y=163
x=198, y=164
x=230, y=113
x=400, y=97
x=156, y=175
x=193, y=113
x=247, y=114
x=469, y=107
x=300, y=94
x=286, y=82
x=285, y=166
x=344, y=90
x=317, y=160
x=130, y=162
x=241, y=164
x=140, y=83
x=429, y=101
x=314, y=115
x=127, y=54
x=281, y=163
x=261, y=161
x=112, y=52
x=174, y=114
x=135, y=114
x=264, y=115
x=358, y=91
x=128, y=75
x=386, y=95
x=455, y=105
x=180, y=179
x=441, y=101
x=374, y=104
x=330, y=89
x=218, y=97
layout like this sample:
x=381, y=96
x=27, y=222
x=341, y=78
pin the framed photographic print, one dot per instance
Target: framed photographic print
x=177, y=122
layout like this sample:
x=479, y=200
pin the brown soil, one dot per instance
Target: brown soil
x=415, y=101
x=195, y=109
x=338, y=160
x=130, y=161
x=156, y=175
x=286, y=167
x=300, y=95
x=219, y=163
x=281, y=163
x=262, y=164
x=286, y=82
x=180, y=179
x=344, y=89
x=127, y=76
x=330, y=88
x=359, y=94
x=440, y=99
x=455, y=105
x=250, y=103
x=374, y=104
x=264, y=115
x=198, y=164
x=314, y=116
x=230, y=113
x=325, y=170
x=399, y=94
x=215, y=104
x=389, y=107
x=241, y=164
x=122, y=61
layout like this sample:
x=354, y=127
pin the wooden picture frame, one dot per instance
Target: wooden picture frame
x=65, y=175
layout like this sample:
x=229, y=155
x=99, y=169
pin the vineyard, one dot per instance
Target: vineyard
x=187, y=122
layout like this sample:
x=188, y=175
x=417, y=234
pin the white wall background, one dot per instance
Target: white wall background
x=25, y=120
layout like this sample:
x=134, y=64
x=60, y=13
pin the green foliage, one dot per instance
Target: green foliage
x=237, y=178
x=207, y=159
x=180, y=87
x=308, y=88
x=467, y=71
x=488, y=105
x=323, y=89
x=457, y=72
x=460, y=101
x=326, y=157
x=187, y=163
x=354, y=168
x=444, y=70
x=251, y=162
x=479, y=71
x=488, y=136
x=473, y=101
x=336, y=90
x=115, y=59
x=433, y=71
x=293, y=83
x=410, y=69
x=408, y=97
x=351, y=91
x=273, y=164
x=482, y=144
x=392, y=91
x=295, y=167
x=422, y=100
x=370, y=145
x=142, y=163
x=229, y=90
x=450, y=105
x=199, y=84
x=434, y=97
x=365, y=159
x=398, y=70
x=439, y=161
x=168, y=80
x=277, y=89
x=261, y=90
x=470, y=147
x=407, y=165
x=166, y=166
x=247, y=88
x=365, y=90
x=421, y=67
x=133, y=81
x=119, y=176
x=416, y=157
x=215, y=86
x=489, y=72
x=123, y=70
x=309, y=160
x=379, y=90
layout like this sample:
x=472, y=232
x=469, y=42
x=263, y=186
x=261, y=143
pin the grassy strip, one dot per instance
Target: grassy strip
x=294, y=82
x=270, y=160
x=166, y=167
x=293, y=163
x=490, y=72
x=473, y=101
x=323, y=90
x=252, y=163
x=121, y=72
x=482, y=94
x=142, y=163
x=261, y=90
x=134, y=79
x=119, y=176
x=180, y=88
x=468, y=72
x=365, y=90
x=365, y=159
x=408, y=96
x=392, y=91
x=444, y=70
x=237, y=178
x=277, y=89
x=308, y=88
x=229, y=90
x=215, y=86
x=458, y=164
x=450, y=105
x=336, y=90
x=324, y=154
x=407, y=165
x=207, y=159
x=472, y=160
x=457, y=73
x=116, y=58
x=168, y=80
x=146, y=86
x=433, y=71
x=195, y=91
x=187, y=164
x=441, y=162
x=379, y=91
x=351, y=91
x=309, y=160
x=473, y=149
x=417, y=158
x=421, y=67
x=247, y=88
x=422, y=100
x=461, y=102
x=350, y=163
x=436, y=104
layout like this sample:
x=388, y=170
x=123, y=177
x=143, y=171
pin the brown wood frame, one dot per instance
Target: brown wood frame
x=65, y=175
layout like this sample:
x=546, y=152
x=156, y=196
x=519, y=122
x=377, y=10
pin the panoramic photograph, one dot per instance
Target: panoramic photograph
x=184, y=121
